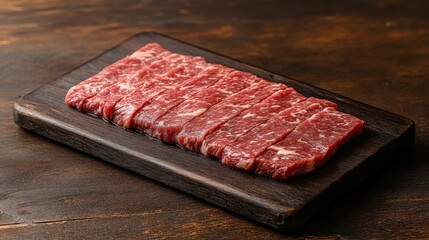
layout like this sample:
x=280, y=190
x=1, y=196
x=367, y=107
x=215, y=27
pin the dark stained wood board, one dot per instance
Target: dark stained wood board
x=282, y=205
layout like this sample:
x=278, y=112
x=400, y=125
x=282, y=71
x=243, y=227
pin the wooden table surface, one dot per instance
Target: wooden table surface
x=376, y=52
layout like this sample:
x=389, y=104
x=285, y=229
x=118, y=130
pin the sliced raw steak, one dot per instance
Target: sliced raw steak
x=242, y=153
x=309, y=145
x=215, y=142
x=193, y=133
x=121, y=69
x=168, y=126
x=147, y=115
x=124, y=111
x=159, y=73
x=247, y=122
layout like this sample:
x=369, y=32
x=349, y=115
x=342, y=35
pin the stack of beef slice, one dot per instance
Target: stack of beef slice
x=245, y=121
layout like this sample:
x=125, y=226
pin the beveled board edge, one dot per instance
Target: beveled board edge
x=28, y=116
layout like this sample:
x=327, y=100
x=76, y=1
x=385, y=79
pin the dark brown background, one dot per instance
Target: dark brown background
x=374, y=52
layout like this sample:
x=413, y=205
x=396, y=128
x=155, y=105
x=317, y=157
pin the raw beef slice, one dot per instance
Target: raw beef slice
x=110, y=75
x=214, y=143
x=309, y=145
x=242, y=153
x=168, y=126
x=125, y=110
x=128, y=83
x=249, y=123
x=147, y=115
x=193, y=133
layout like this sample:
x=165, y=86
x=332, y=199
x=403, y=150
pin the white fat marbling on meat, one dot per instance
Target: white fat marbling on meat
x=204, y=150
x=244, y=164
x=245, y=106
x=249, y=115
x=283, y=151
x=297, y=114
x=194, y=113
x=225, y=91
x=230, y=105
x=169, y=86
x=297, y=121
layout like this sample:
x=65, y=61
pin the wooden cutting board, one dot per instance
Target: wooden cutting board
x=282, y=205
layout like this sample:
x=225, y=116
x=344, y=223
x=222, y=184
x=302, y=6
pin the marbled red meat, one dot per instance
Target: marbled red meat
x=214, y=143
x=125, y=109
x=249, y=123
x=121, y=69
x=147, y=115
x=161, y=75
x=168, y=126
x=309, y=145
x=193, y=133
x=242, y=153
